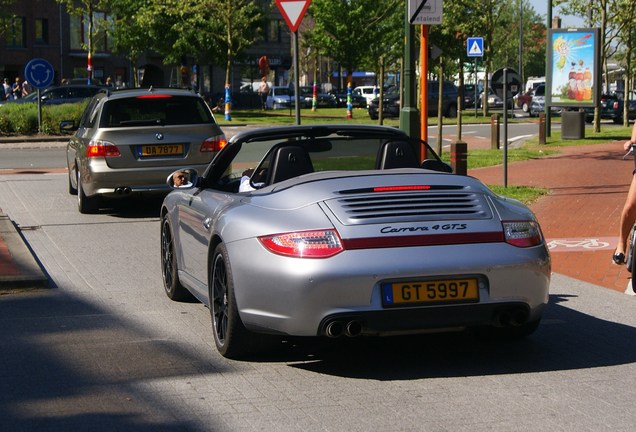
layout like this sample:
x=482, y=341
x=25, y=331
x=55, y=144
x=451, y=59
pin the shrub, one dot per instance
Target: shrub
x=22, y=118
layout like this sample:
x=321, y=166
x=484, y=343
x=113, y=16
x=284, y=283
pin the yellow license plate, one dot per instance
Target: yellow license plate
x=433, y=291
x=161, y=150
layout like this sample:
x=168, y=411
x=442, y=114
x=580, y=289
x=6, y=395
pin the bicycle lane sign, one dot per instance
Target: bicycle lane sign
x=582, y=244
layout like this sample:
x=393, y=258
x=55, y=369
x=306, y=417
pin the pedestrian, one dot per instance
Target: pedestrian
x=263, y=91
x=628, y=215
x=16, y=89
x=26, y=88
x=7, y=89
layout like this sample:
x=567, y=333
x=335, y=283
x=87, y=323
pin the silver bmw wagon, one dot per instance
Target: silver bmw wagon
x=128, y=141
x=344, y=231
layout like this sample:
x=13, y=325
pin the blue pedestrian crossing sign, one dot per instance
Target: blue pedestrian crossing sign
x=475, y=47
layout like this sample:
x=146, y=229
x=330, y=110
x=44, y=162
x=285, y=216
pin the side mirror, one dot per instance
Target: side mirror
x=183, y=179
x=68, y=127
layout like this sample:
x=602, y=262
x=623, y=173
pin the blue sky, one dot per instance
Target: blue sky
x=541, y=6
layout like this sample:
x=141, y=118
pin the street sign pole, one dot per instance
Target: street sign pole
x=296, y=85
x=293, y=12
x=409, y=116
x=39, y=73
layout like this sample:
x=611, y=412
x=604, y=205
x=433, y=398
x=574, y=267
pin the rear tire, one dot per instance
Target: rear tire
x=631, y=255
x=231, y=338
x=72, y=189
x=85, y=204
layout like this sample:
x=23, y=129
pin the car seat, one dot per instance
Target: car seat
x=396, y=154
x=289, y=161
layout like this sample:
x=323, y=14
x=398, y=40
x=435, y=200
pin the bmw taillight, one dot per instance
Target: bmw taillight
x=213, y=144
x=304, y=244
x=99, y=148
x=522, y=233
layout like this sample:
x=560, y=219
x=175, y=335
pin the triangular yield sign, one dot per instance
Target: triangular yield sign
x=293, y=11
x=475, y=49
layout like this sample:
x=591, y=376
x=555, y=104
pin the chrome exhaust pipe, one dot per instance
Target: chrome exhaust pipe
x=353, y=328
x=519, y=317
x=502, y=319
x=334, y=329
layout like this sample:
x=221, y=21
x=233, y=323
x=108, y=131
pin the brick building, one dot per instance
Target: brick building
x=43, y=29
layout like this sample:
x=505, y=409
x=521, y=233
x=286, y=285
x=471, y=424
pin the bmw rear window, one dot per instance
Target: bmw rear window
x=155, y=109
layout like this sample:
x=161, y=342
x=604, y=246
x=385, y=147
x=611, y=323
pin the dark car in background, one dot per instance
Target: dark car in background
x=611, y=108
x=69, y=93
x=471, y=94
x=323, y=100
x=57, y=95
x=128, y=142
x=391, y=101
x=357, y=100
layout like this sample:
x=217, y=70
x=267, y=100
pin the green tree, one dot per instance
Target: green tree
x=85, y=10
x=346, y=29
x=6, y=18
x=207, y=30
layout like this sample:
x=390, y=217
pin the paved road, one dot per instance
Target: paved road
x=106, y=350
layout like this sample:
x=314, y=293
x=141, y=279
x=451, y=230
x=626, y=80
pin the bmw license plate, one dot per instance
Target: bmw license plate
x=432, y=291
x=156, y=150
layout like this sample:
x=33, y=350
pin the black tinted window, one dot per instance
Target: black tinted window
x=155, y=109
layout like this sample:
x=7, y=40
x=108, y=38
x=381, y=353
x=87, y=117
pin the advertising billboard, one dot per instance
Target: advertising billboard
x=573, y=78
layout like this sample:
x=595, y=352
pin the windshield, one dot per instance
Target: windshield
x=159, y=109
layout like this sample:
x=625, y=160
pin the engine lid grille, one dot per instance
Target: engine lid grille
x=409, y=207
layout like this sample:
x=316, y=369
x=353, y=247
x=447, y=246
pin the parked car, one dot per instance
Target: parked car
x=494, y=101
x=357, y=100
x=323, y=100
x=524, y=100
x=128, y=141
x=70, y=93
x=469, y=95
x=341, y=230
x=367, y=92
x=611, y=108
x=390, y=106
x=280, y=97
x=391, y=101
x=57, y=95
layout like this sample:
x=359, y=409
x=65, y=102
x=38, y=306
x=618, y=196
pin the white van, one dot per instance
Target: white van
x=367, y=92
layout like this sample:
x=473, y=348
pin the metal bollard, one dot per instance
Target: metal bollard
x=494, y=131
x=541, y=128
x=459, y=157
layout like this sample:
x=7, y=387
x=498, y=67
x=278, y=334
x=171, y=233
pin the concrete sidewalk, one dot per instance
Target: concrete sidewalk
x=579, y=218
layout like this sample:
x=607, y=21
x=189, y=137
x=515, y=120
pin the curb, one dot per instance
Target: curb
x=24, y=269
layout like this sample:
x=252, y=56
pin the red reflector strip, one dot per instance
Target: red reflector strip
x=154, y=96
x=422, y=240
x=400, y=188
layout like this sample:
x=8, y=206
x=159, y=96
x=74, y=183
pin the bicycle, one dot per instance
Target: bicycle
x=630, y=259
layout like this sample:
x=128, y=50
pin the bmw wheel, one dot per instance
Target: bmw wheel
x=174, y=290
x=72, y=177
x=85, y=204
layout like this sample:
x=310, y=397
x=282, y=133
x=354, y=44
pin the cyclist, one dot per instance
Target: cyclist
x=628, y=215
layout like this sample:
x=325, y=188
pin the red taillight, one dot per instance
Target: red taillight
x=522, y=233
x=99, y=148
x=304, y=244
x=401, y=188
x=615, y=105
x=213, y=144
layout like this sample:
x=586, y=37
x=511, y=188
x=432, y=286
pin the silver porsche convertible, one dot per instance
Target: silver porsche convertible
x=343, y=231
